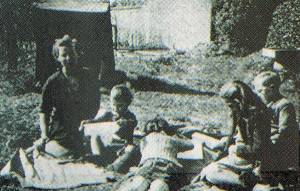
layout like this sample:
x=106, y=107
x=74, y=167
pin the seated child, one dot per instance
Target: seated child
x=284, y=131
x=120, y=99
x=234, y=169
x=159, y=161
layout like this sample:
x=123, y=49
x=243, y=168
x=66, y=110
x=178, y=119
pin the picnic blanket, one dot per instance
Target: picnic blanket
x=105, y=130
x=47, y=172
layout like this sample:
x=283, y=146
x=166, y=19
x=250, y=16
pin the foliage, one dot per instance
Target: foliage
x=15, y=26
x=16, y=18
x=285, y=28
x=19, y=80
x=127, y=3
x=228, y=15
x=240, y=27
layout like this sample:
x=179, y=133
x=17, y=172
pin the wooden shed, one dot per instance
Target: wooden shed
x=87, y=21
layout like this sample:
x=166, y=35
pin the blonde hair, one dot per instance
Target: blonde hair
x=121, y=93
x=240, y=91
x=268, y=79
x=66, y=41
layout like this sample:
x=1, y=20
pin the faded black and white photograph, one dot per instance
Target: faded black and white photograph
x=150, y=95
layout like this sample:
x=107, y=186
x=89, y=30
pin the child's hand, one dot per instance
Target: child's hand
x=81, y=128
x=40, y=144
x=122, y=122
x=188, y=131
x=220, y=155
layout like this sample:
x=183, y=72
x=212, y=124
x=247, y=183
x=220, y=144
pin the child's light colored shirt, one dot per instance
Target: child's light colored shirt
x=162, y=146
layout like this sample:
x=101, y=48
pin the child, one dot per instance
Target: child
x=285, y=130
x=120, y=99
x=159, y=163
x=252, y=143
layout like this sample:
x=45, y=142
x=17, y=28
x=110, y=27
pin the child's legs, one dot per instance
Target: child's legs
x=55, y=149
x=102, y=156
x=130, y=158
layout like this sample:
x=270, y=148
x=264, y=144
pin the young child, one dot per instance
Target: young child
x=285, y=131
x=120, y=98
x=159, y=163
x=249, y=116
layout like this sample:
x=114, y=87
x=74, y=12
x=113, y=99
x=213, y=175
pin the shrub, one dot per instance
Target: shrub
x=240, y=27
x=127, y=3
x=284, y=30
x=228, y=15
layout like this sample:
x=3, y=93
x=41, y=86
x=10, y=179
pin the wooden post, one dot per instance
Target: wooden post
x=132, y=43
x=115, y=36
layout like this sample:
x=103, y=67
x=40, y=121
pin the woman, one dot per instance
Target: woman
x=69, y=96
x=251, y=119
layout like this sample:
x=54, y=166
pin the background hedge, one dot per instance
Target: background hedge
x=240, y=27
x=284, y=32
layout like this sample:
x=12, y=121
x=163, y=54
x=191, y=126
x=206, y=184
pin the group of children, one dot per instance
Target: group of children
x=266, y=140
x=263, y=129
x=264, y=137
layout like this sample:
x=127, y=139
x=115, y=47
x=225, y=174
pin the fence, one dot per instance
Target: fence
x=161, y=24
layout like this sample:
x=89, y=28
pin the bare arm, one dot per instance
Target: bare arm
x=184, y=144
x=234, y=123
x=102, y=118
x=44, y=122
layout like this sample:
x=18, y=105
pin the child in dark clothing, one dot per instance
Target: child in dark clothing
x=120, y=99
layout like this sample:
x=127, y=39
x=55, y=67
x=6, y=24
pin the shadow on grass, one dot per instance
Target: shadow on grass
x=146, y=83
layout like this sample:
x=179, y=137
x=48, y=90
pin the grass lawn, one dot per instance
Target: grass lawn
x=198, y=76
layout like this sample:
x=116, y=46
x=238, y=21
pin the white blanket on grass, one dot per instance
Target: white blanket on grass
x=105, y=130
x=50, y=173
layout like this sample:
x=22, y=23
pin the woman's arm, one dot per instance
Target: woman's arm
x=44, y=122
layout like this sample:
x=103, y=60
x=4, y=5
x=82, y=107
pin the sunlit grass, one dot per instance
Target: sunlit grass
x=19, y=109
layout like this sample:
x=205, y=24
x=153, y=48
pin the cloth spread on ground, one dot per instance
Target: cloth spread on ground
x=196, y=153
x=105, y=130
x=47, y=172
x=127, y=122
